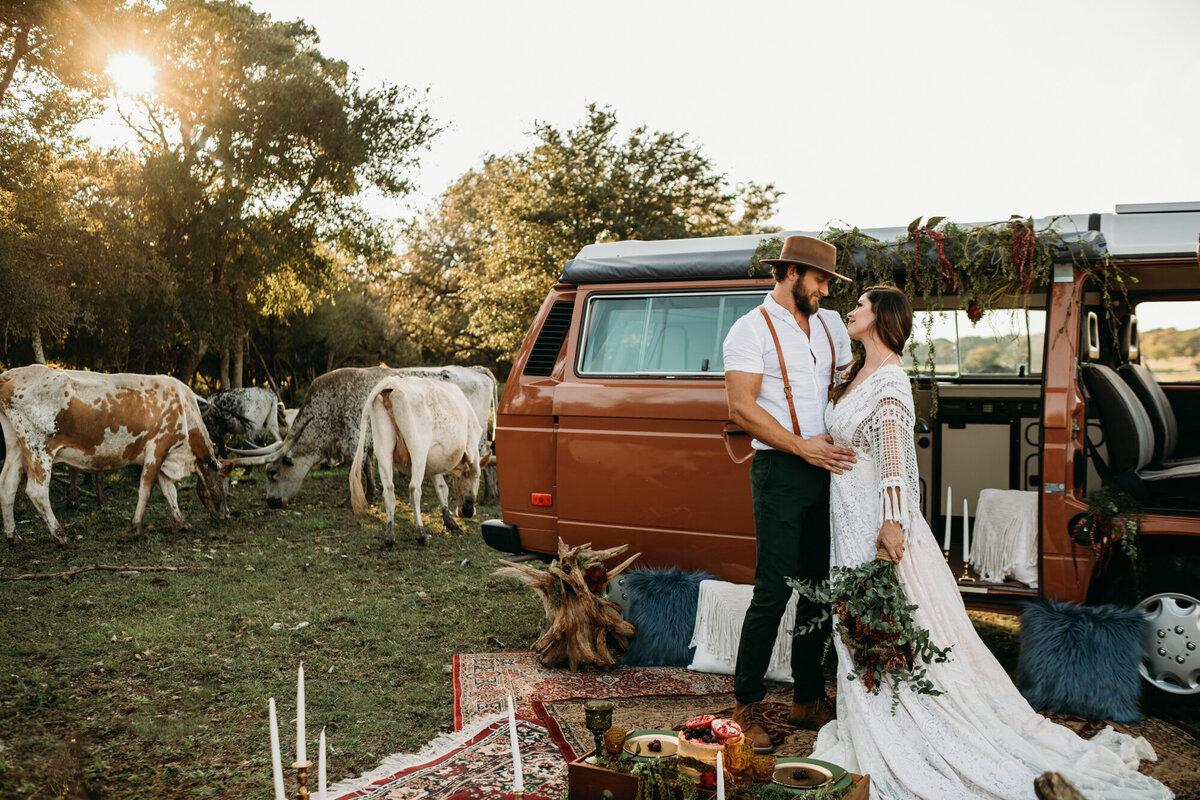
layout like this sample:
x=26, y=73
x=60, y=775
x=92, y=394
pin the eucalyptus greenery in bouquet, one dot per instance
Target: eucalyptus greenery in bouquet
x=874, y=619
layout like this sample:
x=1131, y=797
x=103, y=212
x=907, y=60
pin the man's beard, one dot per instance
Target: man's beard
x=807, y=304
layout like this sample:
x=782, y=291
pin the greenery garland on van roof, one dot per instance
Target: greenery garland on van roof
x=983, y=266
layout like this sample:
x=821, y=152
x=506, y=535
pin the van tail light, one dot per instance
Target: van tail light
x=540, y=499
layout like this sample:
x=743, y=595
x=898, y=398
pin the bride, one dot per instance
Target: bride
x=980, y=738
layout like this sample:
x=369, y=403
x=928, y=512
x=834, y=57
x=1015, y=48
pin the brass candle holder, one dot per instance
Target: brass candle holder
x=301, y=779
x=946, y=555
x=966, y=576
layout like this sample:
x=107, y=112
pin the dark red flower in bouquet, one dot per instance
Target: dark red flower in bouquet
x=596, y=578
x=708, y=780
x=974, y=313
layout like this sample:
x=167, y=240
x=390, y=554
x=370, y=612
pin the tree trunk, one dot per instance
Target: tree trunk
x=39, y=355
x=223, y=370
x=239, y=361
x=195, y=356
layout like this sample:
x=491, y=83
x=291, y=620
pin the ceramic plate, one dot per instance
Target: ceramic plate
x=668, y=739
x=822, y=773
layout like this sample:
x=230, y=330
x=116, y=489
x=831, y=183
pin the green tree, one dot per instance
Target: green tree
x=480, y=262
x=51, y=57
x=256, y=148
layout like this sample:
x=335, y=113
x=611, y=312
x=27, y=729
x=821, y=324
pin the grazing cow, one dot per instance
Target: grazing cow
x=248, y=412
x=326, y=426
x=426, y=427
x=94, y=421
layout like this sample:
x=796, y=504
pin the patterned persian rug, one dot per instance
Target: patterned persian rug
x=482, y=681
x=1178, y=748
x=472, y=764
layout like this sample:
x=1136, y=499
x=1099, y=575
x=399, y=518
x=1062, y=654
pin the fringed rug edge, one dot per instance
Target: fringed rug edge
x=440, y=747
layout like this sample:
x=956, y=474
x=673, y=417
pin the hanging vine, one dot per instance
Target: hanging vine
x=941, y=265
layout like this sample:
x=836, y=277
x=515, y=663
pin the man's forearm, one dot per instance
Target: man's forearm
x=757, y=422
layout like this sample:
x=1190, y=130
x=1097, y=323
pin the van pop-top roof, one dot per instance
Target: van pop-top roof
x=1158, y=230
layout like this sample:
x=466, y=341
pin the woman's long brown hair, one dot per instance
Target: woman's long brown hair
x=893, y=325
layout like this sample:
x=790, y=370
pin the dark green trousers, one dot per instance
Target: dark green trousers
x=791, y=528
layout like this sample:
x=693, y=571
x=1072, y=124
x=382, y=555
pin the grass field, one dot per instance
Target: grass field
x=126, y=684
x=155, y=684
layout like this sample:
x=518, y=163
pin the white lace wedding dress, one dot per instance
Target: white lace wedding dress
x=979, y=739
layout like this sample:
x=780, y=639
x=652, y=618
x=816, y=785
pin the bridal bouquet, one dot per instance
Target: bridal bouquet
x=875, y=622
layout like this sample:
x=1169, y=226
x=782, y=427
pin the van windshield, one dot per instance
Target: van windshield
x=661, y=334
x=1003, y=342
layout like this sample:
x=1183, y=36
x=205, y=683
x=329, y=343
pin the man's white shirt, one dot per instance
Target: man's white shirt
x=749, y=348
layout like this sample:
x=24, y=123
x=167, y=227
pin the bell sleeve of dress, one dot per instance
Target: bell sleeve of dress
x=896, y=459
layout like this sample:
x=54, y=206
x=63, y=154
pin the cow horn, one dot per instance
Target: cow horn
x=268, y=450
x=250, y=461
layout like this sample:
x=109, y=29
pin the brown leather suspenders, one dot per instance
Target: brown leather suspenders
x=787, y=384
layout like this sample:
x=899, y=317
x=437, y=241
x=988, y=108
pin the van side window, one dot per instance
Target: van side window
x=1003, y=342
x=661, y=334
x=1169, y=339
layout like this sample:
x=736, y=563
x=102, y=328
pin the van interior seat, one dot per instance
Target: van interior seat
x=1162, y=416
x=1151, y=396
x=1131, y=445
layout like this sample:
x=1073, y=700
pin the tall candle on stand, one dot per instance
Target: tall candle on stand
x=518, y=777
x=276, y=765
x=321, y=767
x=949, y=516
x=720, y=777
x=300, y=754
x=966, y=534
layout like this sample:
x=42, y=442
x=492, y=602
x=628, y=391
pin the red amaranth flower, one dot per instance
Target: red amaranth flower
x=596, y=578
x=974, y=313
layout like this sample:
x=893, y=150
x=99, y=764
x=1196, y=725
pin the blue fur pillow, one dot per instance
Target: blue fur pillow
x=662, y=606
x=1081, y=659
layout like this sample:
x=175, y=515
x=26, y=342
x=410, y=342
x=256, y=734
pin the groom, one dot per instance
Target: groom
x=779, y=365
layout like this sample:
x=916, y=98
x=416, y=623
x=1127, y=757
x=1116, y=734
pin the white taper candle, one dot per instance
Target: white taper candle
x=966, y=534
x=720, y=777
x=949, y=516
x=276, y=763
x=518, y=776
x=321, y=767
x=300, y=753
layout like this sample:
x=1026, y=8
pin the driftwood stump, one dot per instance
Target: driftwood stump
x=584, y=628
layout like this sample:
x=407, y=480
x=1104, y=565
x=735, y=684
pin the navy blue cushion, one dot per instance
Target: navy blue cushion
x=1081, y=660
x=662, y=607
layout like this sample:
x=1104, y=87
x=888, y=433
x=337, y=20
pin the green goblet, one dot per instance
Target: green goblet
x=598, y=717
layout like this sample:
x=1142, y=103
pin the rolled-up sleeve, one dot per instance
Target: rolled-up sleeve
x=743, y=349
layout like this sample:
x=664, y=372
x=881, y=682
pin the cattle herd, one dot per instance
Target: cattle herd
x=428, y=421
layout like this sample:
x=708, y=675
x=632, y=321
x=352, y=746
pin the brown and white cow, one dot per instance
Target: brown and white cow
x=426, y=427
x=98, y=421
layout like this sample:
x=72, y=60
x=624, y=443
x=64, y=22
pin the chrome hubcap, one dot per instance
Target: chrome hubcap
x=1171, y=649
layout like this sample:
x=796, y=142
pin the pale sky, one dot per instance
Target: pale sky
x=869, y=113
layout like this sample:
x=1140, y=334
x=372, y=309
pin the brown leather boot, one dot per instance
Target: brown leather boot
x=813, y=714
x=749, y=717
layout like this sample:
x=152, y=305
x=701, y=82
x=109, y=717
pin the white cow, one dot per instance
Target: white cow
x=426, y=427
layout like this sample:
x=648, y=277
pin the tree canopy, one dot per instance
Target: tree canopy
x=239, y=202
x=481, y=260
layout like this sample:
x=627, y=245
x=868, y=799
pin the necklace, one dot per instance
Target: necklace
x=889, y=357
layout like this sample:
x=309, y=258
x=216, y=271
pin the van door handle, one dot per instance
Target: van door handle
x=731, y=429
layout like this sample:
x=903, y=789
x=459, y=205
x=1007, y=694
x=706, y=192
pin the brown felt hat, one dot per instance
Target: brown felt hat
x=809, y=252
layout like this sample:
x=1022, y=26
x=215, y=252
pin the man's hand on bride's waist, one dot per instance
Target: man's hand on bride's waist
x=820, y=451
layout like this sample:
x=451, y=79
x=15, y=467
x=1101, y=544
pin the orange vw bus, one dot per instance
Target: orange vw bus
x=613, y=426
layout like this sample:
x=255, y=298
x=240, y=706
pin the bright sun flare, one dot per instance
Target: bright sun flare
x=132, y=73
